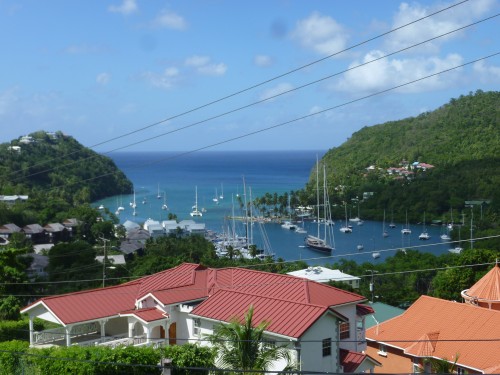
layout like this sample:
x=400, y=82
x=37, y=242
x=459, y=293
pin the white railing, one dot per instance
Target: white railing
x=49, y=335
x=58, y=334
x=155, y=343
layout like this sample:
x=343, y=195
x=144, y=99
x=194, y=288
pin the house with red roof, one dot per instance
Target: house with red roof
x=465, y=334
x=323, y=327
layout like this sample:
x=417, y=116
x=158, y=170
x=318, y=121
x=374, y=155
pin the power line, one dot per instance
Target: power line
x=268, y=98
x=268, y=80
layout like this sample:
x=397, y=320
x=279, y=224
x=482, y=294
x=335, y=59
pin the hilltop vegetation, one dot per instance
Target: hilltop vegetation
x=461, y=140
x=57, y=173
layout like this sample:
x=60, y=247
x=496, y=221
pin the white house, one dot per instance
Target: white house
x=322, y=326
x=324, y=275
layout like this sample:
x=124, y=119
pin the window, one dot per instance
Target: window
x=461, y=371
x=344, y=330
x=268, y=343
x=197, y=327
x=382, y=350
x=327, y=347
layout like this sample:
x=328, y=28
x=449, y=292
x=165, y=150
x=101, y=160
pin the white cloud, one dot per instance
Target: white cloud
x=204, y=66
x=321, y=34
x=387, y=73
x=197, y=61
x=165, y=80
x=103, y=78
x=263, y=60
x=487, y=73
x=170, y=20
x=433, y=26
x=276, y=90
x=125, y=8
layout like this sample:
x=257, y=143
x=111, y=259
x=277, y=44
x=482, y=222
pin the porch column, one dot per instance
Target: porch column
x=148, y=333
x=131, y=325
x=166, y=326
x=68, y=335
x=31, y=331
x=103, y=328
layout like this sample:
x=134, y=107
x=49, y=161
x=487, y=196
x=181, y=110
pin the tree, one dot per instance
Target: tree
x=240, y=346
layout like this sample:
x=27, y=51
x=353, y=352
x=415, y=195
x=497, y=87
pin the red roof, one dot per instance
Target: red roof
x=282, y=314
x=363, y=310
x=90, y=304
x=192, y=282
x=443, y=329
x=350, y=361
x=148, y=315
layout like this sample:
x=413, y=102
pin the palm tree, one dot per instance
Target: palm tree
x=240, y=346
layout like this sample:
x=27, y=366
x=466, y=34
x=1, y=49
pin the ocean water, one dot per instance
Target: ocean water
x=176, y=178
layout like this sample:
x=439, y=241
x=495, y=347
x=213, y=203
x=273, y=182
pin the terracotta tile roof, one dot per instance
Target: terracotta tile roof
x=282, y=314
x=350, y=361
x=148, y=315
x=451, y=328
x=488, y=287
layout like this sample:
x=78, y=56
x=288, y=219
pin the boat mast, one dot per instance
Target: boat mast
x=317, y=192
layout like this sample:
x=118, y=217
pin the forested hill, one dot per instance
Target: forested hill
x=461, y=140
x=54, y=166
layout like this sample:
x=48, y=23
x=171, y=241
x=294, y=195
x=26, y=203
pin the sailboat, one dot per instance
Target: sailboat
x=316, y=242
x=445, y=235
x=384, y=231
x=391, y=224
x=164, y=206
x=221, y=196
x=357, y=219
x=215, y=198
x=458, y=249
x=346, y=228
x=424, y=235
x=287, y=224
x=195, y=211
x=158, y=196
x=133, y=204
x=406, y=230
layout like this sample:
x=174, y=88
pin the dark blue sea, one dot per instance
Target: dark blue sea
x=176, y=176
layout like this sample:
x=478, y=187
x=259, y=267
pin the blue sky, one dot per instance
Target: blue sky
x=97, y=70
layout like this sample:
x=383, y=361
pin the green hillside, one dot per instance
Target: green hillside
x=461, y=140
x=57, y=172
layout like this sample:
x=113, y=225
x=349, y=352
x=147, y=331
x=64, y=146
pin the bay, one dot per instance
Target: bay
x=224, y=173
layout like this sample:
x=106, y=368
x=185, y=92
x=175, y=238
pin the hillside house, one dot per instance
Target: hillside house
x=322, y=326
x=432, y=328
x=324, y=275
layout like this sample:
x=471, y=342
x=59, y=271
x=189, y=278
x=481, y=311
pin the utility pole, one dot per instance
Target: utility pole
x=104, y=260
x=372, y=284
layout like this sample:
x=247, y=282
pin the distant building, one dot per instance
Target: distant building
x=324, y=275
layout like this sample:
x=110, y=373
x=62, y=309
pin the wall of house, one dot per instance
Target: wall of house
x=116, y=326
x=394, y=362
x=311, y=345
x=354, y=342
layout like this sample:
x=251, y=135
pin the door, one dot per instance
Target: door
x=172, y=334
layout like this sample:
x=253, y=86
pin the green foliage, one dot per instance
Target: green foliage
x=189, y=355
x=11, y=356
x=9, y=308
x=57, y=174
x=18, y=329
x=16, y=357
x=240, y=345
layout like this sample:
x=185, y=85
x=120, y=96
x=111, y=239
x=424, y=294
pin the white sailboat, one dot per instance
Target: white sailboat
x=384, y=231
x=164, y=206
x=216, y=198
x=345, y=228
x=158, y=196
x=457, y=249
x=391, y=224
x=221, y=196
x=424, y=235
x=317, y=242
x=195, y=211
x=287, y=224
x=133, y=204
x=406, y=230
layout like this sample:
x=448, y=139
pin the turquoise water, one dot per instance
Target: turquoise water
x=226, y=173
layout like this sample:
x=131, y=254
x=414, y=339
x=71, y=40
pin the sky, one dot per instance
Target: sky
x=142, y=75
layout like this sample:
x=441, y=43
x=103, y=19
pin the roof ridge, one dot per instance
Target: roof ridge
x=273, y=298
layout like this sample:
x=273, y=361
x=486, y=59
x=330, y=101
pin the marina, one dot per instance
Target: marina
x=190, y=181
